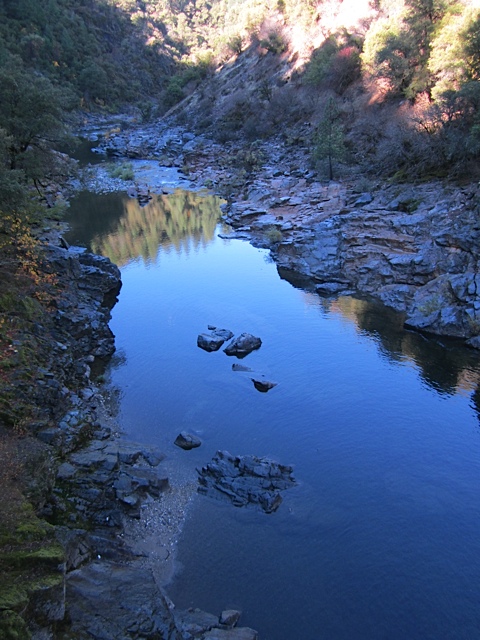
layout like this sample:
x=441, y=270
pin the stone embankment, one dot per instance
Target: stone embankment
x=414, y=247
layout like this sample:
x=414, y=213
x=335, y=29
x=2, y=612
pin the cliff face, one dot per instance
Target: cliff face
x=50, y=375
x=414, y=248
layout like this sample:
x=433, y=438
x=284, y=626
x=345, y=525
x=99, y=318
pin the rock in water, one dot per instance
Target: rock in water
x=263, y=385
x=186, y=441
x=213, y=341
x=239, y=367
x=209, y=342
x=246, y=480
x=243, y=345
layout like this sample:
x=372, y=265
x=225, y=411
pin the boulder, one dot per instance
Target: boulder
x=263, y=385
x=187, y=441
x=214, y=340
x=230, y=617
x=244, y=344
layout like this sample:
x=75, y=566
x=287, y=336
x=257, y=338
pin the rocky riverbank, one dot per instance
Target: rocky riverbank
x=115, y=514
x=414, y=247
x=81, y=565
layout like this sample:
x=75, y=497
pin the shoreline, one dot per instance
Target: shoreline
x=413, y=247
x=294, y=215
x=115, y=512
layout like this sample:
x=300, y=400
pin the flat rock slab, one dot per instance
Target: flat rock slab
x=107, y=600
x=244, y=344
x=194, y=623
x=246, y=480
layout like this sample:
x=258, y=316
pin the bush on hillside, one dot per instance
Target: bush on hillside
x=274, y=43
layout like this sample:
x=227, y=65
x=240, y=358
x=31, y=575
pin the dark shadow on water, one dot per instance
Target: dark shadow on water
x=445, y=364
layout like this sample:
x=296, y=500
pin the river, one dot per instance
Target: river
x=380, y=537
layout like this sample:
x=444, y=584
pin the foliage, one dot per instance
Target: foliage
x=455, y=51
x=123, y=171
x=274, y=43
x=335, y=64
x=235, y=44
x=32, y=114
x=329, y=142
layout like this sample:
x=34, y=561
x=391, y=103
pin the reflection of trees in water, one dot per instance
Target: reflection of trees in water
x=182, y=220
x=444, y=364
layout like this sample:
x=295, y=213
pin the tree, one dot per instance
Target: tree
x=31, y=116
x=329, y=137
x=398, y=47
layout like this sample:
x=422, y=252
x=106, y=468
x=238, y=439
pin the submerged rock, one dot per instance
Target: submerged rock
x=244, y=344
x=246, y=480
x=187, y=441
x=263, y=385
x=239, y=367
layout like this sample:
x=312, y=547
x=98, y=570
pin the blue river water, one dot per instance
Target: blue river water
x=380, y=538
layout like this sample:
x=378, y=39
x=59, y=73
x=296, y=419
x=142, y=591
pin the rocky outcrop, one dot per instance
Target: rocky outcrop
x=416, y=249
x=90, y=285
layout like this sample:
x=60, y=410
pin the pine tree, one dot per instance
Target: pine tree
x=329, y=137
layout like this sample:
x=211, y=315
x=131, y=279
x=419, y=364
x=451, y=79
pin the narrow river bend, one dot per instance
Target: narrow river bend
x=380, y=539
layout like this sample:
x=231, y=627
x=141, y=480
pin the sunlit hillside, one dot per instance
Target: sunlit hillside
x=391, y=86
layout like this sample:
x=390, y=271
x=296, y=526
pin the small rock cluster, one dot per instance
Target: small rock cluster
x=240, y=347
x=246, y=480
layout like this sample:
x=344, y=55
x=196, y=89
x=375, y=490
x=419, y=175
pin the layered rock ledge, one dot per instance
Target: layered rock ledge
x=416, y=249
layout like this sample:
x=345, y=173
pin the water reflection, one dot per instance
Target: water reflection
x=444, y=364
x=116, y=226
x=383, y=525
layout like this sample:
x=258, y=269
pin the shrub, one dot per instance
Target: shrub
x=273, y=235
x=274, y=43
x=123, y=171
x=235, y=44
x=344, y=69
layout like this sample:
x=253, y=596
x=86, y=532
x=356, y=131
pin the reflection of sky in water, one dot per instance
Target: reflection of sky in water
x=380, y=538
